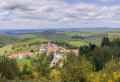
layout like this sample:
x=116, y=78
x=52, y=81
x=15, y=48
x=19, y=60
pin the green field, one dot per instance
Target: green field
x=78, y=43
x=22, y=62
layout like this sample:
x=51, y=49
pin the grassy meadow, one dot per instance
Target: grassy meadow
x=22, y=62
x=78, y=43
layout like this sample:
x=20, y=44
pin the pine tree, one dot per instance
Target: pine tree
x=105, y=42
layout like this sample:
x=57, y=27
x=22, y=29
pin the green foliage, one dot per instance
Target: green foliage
x=41, y=65
x=2, y=79
x=32, y=50
x=26, y=70
x=115, y=43
x=105, y=42
x=112, y=66
x=28, y=57
x=86, y=49
x=65, y=44
x=99, y=57
x=75, y=69
x=7, y=39
x=50, y=56
x=8, y=68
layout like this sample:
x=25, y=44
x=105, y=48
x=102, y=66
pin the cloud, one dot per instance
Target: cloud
x=109, y=0
x=56, y=12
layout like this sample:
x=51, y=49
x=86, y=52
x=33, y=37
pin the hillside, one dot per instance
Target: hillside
x=78, y=43
x=7, y=39
x=22, y=46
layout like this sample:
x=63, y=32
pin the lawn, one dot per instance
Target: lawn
x=78, y=43
x=22, y=62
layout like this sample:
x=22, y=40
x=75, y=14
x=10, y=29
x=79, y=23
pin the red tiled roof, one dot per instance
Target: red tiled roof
x=55, y=62
x=14, y=56
x=44, y=44
x=75, y=51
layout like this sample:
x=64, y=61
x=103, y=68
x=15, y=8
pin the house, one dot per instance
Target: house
x=65, y=51
x=61, y=64
x=40, y=52
x=76, y=51
x=52, y=49
x=10, y=57
x=44, y=46
x=53, y=62
x=20, y=57
x=58, y=56
x=13, y=56
x=42, y=49
x=49, y=44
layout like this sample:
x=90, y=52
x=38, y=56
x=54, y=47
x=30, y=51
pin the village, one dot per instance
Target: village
x=59, y=53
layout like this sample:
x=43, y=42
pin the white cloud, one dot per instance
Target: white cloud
x=109, y=0
x=116, y=22
x=56, y=11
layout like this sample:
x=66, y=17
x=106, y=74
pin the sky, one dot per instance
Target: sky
x=44, y=14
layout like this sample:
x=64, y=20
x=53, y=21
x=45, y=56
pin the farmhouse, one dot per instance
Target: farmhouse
x=23, y=55
x=13, y=56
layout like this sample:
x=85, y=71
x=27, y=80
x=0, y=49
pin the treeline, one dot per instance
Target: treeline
x=77, y=37
x=65, y=44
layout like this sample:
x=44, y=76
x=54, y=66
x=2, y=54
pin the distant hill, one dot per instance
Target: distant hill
x=50, y=35
x=7, y=39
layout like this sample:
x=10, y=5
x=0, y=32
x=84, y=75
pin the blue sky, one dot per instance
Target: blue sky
x=97, y=2
x=43, y=14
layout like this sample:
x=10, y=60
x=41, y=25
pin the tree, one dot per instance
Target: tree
x=5, y=51
x=112, y=66
x=12, y=48
x=105, y=42
x=99, y=57
x=28, y=57
x=51, y=56
x=91, y=46
x=8, y=67
x=115, y=43
x=42, y=66
x=26, y=70
x=2, y=79
x=32, y=50
x=75, y=70
x=17, y=50
x=83, y=50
